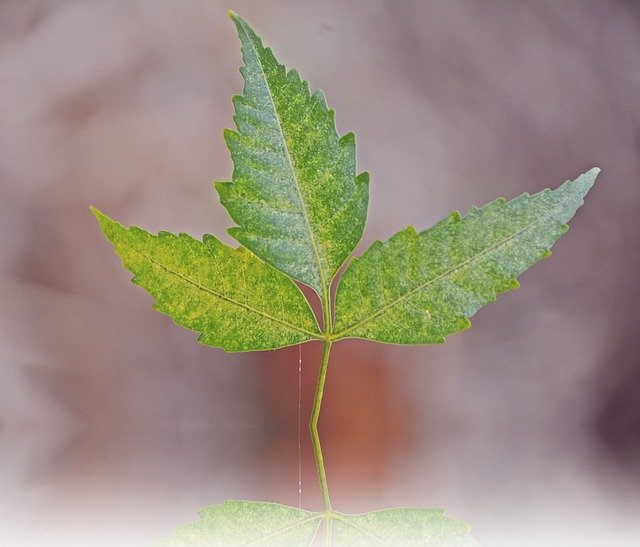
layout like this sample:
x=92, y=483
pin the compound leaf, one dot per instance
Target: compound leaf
x=418, y=288
x=294, y=195
x=235, y=300
x=401, y=526
x=247, y=523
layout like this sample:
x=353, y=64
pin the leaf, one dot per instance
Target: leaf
x=402, y=526
x=301, y=210
x=248, y=523
x=418, y=288
x=262, y=523
x=294, y=195
x=236, y=301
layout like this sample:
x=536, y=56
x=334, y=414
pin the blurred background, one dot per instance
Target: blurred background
x=116, y=426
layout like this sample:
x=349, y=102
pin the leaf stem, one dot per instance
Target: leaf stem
x=313, y=425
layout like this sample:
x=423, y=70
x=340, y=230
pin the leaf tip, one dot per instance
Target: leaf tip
x=104, y=221
x=593, y=172
x=245, y=32
x=590, y=176
x=96, y=212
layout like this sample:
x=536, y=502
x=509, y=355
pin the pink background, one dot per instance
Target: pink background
x=115, y=426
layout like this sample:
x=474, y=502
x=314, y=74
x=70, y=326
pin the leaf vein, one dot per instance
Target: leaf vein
x=310, y=518
x=219, y=295
x=443, y=275
x=294, y=176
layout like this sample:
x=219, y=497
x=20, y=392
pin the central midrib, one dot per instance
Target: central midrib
x=420, y=287
x=216, y=294
x=305, y=214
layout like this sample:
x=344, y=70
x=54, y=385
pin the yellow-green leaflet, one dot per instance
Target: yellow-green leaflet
x=236, y=301
x=418, y=288
x=294, y=195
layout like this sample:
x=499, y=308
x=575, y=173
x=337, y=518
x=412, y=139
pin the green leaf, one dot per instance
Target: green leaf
x=262, y=523
x=248, y=523
x=236, y=301
x=418, y=288
x=300, y=211
x=402, y=526
x=294, y=195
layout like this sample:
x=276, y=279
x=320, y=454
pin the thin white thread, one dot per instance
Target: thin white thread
x=299, y=426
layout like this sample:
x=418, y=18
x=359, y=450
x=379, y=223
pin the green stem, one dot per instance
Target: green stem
x=313, y=426
x=326, y=312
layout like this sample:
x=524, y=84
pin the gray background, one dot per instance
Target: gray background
x=115, y=426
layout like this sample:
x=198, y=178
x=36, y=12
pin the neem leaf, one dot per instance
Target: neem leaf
x=402, y=526
x=248, y=523
x=301, y=209
x=235, y=300
x=418, y=288
x=294, y=195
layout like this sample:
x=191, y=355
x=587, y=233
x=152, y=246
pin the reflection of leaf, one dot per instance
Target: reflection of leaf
x=262, y=523
x=295, y=196
x=402, y=526
x=248, y=523
x=418, y=288
x=236, y=301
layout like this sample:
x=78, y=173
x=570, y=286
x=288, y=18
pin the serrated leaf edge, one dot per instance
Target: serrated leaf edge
x=314, y=336
x=456, y=217
x=303, y=206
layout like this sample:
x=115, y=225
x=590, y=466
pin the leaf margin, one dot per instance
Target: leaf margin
x=587, y=179
x=359, y=182
x=112, y=230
